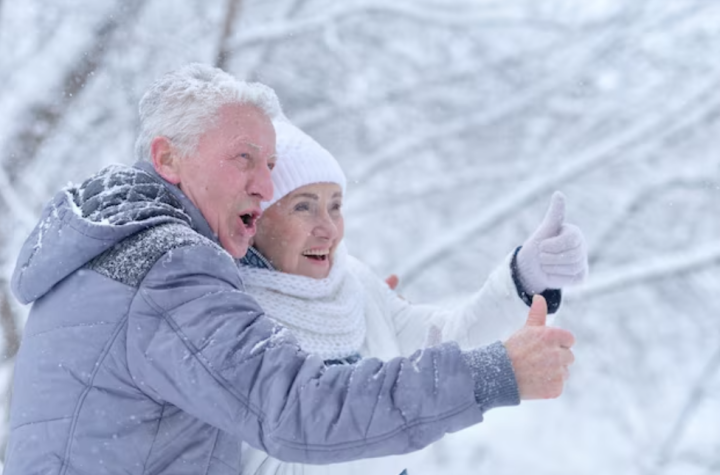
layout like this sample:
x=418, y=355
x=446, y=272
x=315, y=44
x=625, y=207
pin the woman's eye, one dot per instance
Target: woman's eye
x=302, y=207
x=336, y=207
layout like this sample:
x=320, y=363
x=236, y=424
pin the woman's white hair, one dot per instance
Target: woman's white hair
x=183, y=104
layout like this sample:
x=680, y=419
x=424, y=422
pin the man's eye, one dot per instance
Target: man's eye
x=271, y=166
x=302, y=207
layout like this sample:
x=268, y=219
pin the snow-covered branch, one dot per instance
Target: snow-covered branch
x=565, y=66
x=659, y=267
x=450, y=184
x=413, y=87
x=535, y=92
x=697, y=394
x=19, y=209
x=231, y=14
x=682, y=112
x=42, y=118
x=478, y=18
x=695, y=179
x=8, y=322
x=251, y=66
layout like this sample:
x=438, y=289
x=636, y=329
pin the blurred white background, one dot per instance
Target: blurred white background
x=454, y=120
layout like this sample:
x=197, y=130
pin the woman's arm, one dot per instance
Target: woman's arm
x=492, y=313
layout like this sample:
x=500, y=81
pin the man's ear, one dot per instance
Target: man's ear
x=165, y=159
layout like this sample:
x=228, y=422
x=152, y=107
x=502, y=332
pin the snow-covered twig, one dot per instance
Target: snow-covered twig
x=400, y=90
x=43, y=118
x=231, y=14
x=253, y=64
x=694, y=399
x=17, y=206
x=11, y=336
x=567, y=66
x=657, y=268
x=644, y=136
x=484, y=118
x=440, y=16
x=448, y=184
x=696, y=179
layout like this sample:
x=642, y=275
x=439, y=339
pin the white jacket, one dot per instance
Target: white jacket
x=396, y=327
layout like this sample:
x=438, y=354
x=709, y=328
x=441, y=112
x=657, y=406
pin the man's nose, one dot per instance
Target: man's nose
x=261, y=184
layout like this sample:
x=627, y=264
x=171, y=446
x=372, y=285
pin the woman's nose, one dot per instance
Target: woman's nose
x=325, y=227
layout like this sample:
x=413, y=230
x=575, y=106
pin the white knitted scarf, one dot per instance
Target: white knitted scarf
x=325, y=315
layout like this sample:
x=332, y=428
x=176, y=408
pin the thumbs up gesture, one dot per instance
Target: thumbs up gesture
x=540, y=355
x=555, y=255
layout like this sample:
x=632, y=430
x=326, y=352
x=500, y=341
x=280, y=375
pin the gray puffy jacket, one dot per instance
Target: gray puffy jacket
x=142, y=354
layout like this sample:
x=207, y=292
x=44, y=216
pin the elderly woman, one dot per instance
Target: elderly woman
x=302, y=275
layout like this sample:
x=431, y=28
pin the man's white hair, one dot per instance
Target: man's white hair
x=183, y=104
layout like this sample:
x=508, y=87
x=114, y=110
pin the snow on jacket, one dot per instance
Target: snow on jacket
x=393, y=327
x=143, y=354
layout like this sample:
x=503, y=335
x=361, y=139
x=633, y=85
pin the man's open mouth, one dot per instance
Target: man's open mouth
x=249, y=219
x=317, y=254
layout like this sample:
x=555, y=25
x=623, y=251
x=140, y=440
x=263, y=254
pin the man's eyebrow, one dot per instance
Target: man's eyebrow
x=337, y=194
x=252, y=145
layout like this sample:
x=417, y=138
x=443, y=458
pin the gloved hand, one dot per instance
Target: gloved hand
x=555, y=255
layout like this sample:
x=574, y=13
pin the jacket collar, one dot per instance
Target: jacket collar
x=198, y=221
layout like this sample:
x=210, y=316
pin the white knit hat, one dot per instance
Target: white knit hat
x=300, y=161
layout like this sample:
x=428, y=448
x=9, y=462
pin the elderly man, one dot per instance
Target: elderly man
x=142, y=354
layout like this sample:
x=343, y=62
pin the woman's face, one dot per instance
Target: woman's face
x=300, y=232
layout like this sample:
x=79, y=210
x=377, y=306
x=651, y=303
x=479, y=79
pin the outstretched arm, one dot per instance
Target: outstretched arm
x=553, y=257
x=197, y=341
x=492, y=313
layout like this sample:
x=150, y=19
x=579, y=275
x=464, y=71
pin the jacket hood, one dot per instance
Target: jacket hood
x=82, y=222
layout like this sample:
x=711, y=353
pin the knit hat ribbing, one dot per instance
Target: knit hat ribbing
x=300, y=161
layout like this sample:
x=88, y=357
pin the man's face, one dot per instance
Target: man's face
x=229, y=174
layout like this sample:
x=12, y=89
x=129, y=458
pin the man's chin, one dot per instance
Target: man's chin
x=236, y=247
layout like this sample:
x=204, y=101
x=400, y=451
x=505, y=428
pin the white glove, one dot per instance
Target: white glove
x=555, y=255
